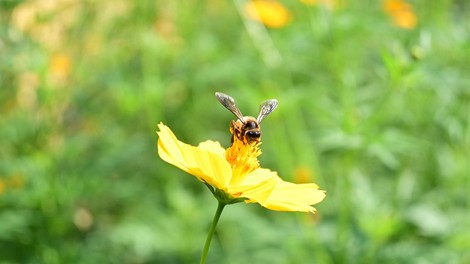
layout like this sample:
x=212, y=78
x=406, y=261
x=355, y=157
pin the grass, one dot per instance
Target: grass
x=377, y=115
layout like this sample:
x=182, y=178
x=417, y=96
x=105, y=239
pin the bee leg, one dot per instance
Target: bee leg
x=232, y=131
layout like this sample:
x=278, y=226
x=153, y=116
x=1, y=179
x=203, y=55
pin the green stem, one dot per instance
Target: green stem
x=220, y=208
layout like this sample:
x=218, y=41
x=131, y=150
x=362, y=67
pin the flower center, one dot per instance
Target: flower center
x=243, y=157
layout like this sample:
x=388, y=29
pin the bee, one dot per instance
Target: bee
x=246, y=128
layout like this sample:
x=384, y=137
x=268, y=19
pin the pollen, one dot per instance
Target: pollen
x=242, y=157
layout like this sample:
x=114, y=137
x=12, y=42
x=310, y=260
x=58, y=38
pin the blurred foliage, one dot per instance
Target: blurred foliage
x=374, y=107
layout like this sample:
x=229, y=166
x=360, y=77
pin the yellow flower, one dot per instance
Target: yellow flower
x=235, y=172
x=269, y=12
x=302, y=174
x=60, y=65
x=401, y=13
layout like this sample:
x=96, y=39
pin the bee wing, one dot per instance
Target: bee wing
x=229, y=103
x=266, y=108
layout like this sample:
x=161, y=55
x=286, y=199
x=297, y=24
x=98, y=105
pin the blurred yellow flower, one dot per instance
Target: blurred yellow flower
x=401, y=13
x=60, y=65
x=16, y=181
x=269, y=12
x=2, y=186
x=302, y=174
x=236, y=173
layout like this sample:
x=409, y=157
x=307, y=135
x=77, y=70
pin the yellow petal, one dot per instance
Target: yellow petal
x=204, y=163
x=256, y=186
x=288, y=196
x=212, y=146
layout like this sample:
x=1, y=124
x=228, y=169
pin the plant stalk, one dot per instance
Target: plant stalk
x=220, y=208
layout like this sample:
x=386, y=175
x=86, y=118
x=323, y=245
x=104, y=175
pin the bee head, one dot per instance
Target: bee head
x=250, y=123
x=251, y=128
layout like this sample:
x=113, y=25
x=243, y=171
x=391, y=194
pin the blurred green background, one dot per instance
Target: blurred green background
x=374, y=106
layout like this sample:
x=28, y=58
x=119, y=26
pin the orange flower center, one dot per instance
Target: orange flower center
x=243, y=157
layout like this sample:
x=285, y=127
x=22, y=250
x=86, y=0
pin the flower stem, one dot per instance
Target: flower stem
x=220, y=208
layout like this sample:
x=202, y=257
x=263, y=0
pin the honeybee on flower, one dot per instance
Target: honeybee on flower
x=234, y=174
x=246, y=128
